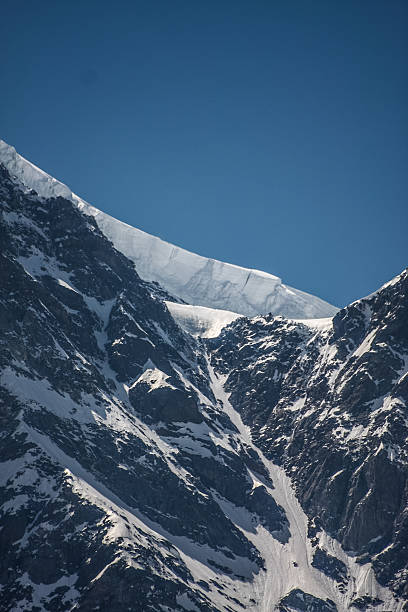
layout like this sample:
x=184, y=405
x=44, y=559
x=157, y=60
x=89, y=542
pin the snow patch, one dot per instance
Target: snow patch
x=200, y=321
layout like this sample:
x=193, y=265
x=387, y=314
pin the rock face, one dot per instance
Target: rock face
x=143, y=468
x=330, y=565
x=330, y=406
x=298, y=601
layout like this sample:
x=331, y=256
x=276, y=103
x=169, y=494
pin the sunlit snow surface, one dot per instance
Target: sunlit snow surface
x=195, y=279
x=200, y=321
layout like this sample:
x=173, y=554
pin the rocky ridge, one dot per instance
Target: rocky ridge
x=329, y=404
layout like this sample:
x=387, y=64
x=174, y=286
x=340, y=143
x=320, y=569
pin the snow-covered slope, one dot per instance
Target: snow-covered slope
x=195, y=279
x=199, y=321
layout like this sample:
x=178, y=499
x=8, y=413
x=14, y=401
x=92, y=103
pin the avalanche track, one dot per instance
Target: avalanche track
x=289, y=566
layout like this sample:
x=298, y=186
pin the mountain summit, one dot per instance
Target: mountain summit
x=160, y=456
x=189, y=277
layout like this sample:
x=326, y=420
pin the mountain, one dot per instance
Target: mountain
x=164, y=456
x=328, y=402
x=191, y=278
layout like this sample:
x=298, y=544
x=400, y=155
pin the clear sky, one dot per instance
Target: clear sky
x=270, y=134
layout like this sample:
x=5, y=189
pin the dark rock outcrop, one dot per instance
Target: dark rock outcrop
x=299, y=601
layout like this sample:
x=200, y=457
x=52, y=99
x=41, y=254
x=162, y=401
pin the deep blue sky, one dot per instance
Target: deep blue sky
x=268, y=134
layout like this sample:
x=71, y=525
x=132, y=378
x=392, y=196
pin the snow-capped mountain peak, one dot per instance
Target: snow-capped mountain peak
x=194, y=279
x=250, y=464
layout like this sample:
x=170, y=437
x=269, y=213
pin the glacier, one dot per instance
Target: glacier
x=192, y=278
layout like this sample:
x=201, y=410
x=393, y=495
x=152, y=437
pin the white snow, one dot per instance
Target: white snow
x=155, y=378
x=66, y=285
x=366, y=344
x=195, y=279
x=318, y=324
x=201, y=321
x=297, y=405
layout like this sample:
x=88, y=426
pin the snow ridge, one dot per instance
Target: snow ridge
x=195, y=279
x=199, y=321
